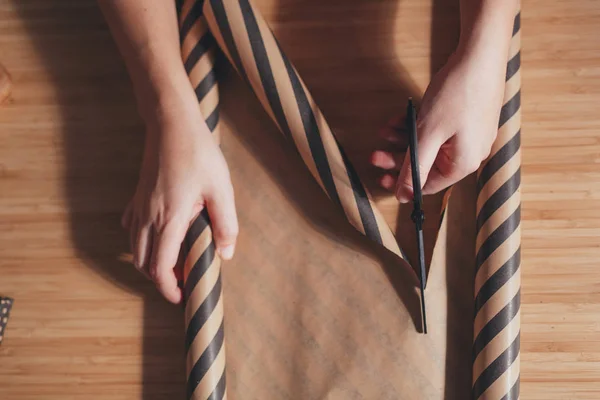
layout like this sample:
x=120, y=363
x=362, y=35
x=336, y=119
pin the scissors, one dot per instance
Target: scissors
x=417, y=215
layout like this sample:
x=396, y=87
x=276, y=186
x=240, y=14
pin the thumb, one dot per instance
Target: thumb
x=221, y=208
x=428, y=145
x=165, y=252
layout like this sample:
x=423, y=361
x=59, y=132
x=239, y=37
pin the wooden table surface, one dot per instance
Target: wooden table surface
x=313, y=311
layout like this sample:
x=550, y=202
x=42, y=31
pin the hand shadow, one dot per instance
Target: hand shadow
x=102, y=144
x=460, y=231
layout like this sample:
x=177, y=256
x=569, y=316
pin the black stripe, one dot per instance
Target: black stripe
x=225, y=29
x=213, y=119
x=313, y=135
x=497, y=280
x=205, y=361
x=498, y=237
x=510, y=108
x=190, y=19
x=206, y=84
x=202, y=314
x=513, y=65
x=513, y=394
x=496, y=368
x=206, y=42
x=495, y=325
x=517, y=24
x=500, y=196
x=198, y=270
x=219, y=391
x=178, y=5
x=367, y=216
x=442, y=214
x=264, y=66
x=195, y=230
x=496, y=162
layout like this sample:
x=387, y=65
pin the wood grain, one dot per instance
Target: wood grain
x=312, y=309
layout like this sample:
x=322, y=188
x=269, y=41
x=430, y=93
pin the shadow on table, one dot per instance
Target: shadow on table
x=102, y=141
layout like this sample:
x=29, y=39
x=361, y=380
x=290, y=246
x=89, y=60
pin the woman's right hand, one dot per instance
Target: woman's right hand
x=183, y=171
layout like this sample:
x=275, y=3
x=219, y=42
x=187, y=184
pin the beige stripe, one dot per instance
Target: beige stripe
x=496, y=219
x=202, y=289
x=205, y=335
x=512, y=86
x=504, y=383
x=242, y=43
x=209, y=102
x=498, y=179
x=387, y=236
x=446, y=199
x=498, y=258
x=194, y=35
x=199, y=246
x=211, y=379
x=512, y=126
x=204, y=65
x=185, y=9
x=496, y=303
x=214, y=30
x=288, y=98
x=515, y=45
x=505, y=133
x=497, y=346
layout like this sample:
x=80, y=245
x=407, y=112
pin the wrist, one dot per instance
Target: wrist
x=486, y=27
x=165, y=97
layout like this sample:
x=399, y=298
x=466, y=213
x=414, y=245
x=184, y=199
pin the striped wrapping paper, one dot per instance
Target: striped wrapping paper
x=5, y=306
x=496, y=329
x=202, y=292
x=241, y=33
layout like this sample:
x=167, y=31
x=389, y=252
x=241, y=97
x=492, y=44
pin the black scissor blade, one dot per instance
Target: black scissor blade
x=417, y=214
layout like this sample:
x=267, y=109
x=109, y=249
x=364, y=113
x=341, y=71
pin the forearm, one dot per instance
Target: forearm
x=486, y=27
x=146, y=34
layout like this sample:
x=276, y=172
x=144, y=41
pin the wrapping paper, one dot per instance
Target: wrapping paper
x=238, y=29
x=202, y=292
x=5, y=306
x=496, y=329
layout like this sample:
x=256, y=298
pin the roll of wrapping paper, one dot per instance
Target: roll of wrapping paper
x=5, y=306
x=202, y=293
x=245, y=38
x=498, y=249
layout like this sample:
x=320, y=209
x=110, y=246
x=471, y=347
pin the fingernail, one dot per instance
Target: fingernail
x=402, y=193
x=227, y=252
